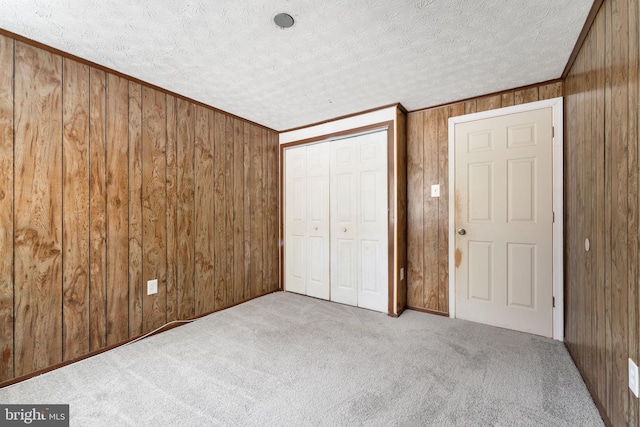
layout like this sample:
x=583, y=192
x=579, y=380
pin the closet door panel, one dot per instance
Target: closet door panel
x=318, y=221
x=372, y=224
x=296, y=220
x=344, y=201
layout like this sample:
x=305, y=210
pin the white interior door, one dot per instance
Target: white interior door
x=504, y=221
x=359, y=240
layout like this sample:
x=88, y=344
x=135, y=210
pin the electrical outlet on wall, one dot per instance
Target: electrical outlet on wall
x=633, y=377
x=152, y=287
x=435, y=190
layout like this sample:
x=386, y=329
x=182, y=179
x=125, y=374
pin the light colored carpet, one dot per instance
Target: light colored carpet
x=285, y=359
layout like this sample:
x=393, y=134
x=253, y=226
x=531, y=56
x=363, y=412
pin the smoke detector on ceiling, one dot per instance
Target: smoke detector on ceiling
x=283, y=20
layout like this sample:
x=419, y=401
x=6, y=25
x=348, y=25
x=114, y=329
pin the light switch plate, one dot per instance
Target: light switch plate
x=435, y=190
x=152, y=287
x=633, y=377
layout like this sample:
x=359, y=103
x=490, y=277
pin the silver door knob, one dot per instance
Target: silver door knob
x=315, y=228
x=462, y=231
x=344, y=229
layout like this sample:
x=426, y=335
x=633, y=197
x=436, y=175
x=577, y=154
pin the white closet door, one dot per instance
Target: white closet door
x=359, y=223
x=295, y=200
x=317, y=254
x=344, y=245
x=372, y=222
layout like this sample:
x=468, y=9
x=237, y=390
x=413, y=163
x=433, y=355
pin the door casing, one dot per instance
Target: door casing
x=557, y=106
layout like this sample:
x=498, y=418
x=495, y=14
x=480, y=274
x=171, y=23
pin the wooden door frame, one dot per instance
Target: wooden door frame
x=557, y=106
x=389, y=126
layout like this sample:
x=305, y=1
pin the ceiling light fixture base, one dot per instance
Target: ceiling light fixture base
x=283, y=20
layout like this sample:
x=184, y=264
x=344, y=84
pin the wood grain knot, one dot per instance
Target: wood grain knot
x=41, y=248
x=2, y=194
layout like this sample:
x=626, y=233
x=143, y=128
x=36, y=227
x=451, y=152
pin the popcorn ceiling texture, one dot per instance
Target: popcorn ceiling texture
x=340, y=57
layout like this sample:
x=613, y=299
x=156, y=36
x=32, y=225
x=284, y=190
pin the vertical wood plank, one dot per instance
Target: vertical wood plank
x=526, y=95
x=76, y=210
x=569, y=148
x=600, y=234
x=228, y=196
x=264, y=153
x=470, y=107
x=443, y=204
x=186, y=211
x=577, y=234
x=550, y=91
x=619, y=199
x=247, y=209
x=415, y=209
x=255, y=188
x=275, y=234
x=204, y=287
x=264, y=221
x=6, y=207
x=608, y=208
x=508, y=99
x=274, y=171
x=154, y=207
x=596, y=201
x=568, y=152
x=633, y=101
x=586, y=217
x=172, y=210
x=238, y=211
x=135, y=209
x=455, y=110
x=38, y=209
x=117, y=209
x=430, y=211
x=489, y=103
x=97, y=211
x=219, y=212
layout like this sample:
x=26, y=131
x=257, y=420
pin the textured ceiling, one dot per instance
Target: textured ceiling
x=340, y=57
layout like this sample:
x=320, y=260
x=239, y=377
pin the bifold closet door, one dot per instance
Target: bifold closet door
x=359, y=221
x=318, y=221
x=307, y=220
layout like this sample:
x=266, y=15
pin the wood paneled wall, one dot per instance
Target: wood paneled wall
x=428, y=217
x=105, y=184
x=401, y=223
x=602, y=205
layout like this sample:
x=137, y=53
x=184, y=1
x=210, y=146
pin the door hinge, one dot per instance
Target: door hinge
x=553, y=131
x=553, y=301
x=554, y=216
